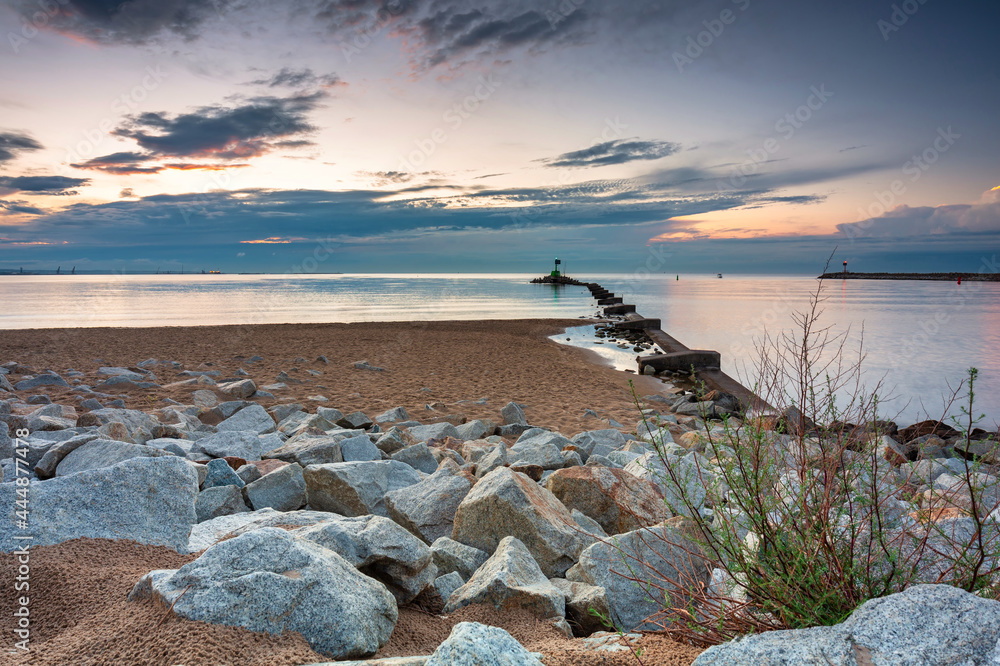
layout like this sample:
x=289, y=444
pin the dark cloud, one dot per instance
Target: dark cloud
x=383, y=178
x=218, y=133
x=614, y=152
x=127, y=21
x=14, y=143
x=288, y=77
x=18, y=207
x=457, y=32
x=42, y=184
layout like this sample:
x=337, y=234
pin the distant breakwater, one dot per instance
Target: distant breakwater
x=940, y=277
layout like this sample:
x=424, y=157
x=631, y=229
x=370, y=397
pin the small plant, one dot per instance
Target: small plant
x=802, y=505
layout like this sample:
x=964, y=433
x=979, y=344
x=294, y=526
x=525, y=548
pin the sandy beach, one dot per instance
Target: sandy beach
x=79, y=601
x=459, y=361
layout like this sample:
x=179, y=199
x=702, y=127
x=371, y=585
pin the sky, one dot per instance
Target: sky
x=739, y=136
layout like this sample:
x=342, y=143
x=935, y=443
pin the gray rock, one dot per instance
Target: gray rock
x=226, y=409
x=394, y=439
x=392, y=415
x=359, y=449
x=418, y=457
x=254, y=418
x=283, y=490
x=269, y=580
x=356, y=488
x=685, y=483
x=447, y=584
x=665, y=555
x=47, y=464
x=510, y=579
x=513, y=430
x=581, y=600
x=140, y=425
x=298, y=421
x=240, y=444
x=542, y=448
x=40, y=380
x=221, y=474
x=513, y=414
x=617, y=500
x=148, y=500
x=309, y=450
x=204, y=398
x=506, y=503
x=925, y=625
x=427, y=509
x=219, y=501
x=5, y=385
x=355, y=420
x=379, y=548
x=492, y=460
x=250, y=473
x=212, y=531
x=423, y=433
x=452, y=556
x=597, y=460
x=39, y=400
x=571, y=459
x=243, y=388
x=365, y=365
x=474, y=644
x=475, y=429
x=6, y=443
x=91, y=404
x=99, y=453
x=280, y=412
x=605, y=441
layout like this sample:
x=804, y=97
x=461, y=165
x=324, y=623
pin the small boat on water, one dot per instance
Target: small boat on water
x=720, y=276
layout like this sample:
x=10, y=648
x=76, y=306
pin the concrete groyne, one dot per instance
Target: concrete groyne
x=676, y=357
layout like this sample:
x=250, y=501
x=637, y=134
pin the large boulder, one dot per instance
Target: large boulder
x=923, y=625
x=99, y=453
x=506, y=503
x=252, y=417
x=271, y=581
x=241, y=388
x=359, y=448
x=510, y=579
x=424, y=433
x=244, y=444
x=379, y=548
x=684, y=483
x=212, y=531
x=219, y=501
x=148, y=500
x=140, y=425
x=309, y=450
x=356, y=488
x=617, y=500
x=474, y=644
x=418, y=457
x=284, y=489
x=601, y=442
x=539, y=447
x=46, y=466
x=661, y=559
x=427, y=509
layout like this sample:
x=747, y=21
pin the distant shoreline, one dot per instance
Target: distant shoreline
x=941, y=277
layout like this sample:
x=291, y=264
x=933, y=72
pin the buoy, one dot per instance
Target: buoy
x=678, y=277
x=960, y=279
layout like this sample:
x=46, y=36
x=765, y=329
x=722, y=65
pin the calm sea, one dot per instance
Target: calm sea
x=920, y=336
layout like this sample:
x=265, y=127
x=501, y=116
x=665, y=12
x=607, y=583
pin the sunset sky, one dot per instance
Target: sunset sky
x=445, y=135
